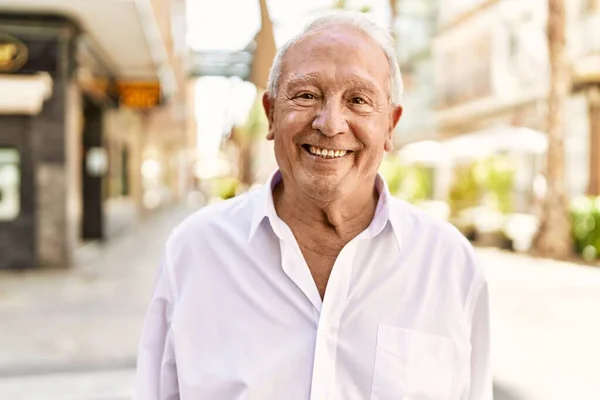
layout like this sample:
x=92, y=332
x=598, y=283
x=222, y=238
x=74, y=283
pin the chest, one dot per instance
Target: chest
x=241, y=333
x=320, y=261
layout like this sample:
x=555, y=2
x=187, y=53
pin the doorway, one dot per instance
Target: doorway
x=94, y=163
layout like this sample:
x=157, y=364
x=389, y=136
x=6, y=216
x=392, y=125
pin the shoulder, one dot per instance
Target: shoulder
x=228, y=218
x=203, y=237
x=417, y=220
x=436, y=239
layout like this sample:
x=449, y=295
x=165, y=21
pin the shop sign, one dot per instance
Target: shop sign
x=13, y=54
x=139, y=95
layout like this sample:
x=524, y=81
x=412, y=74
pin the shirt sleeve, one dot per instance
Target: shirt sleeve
x=481, y=374
x=156, y=377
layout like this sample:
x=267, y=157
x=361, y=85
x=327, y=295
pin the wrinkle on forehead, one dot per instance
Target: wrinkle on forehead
x=353, y=81
x=322, y=40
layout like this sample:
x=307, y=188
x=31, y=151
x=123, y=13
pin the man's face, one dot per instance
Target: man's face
x=332, y=118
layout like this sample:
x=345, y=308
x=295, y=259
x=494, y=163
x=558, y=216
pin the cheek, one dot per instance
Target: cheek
x=371, y=134
x=290, y=124
x=297, y=119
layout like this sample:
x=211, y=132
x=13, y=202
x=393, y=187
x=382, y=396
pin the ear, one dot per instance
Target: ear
x=268, y=106
x=395, y=116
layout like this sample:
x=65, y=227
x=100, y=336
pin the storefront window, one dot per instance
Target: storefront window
x=10, y=183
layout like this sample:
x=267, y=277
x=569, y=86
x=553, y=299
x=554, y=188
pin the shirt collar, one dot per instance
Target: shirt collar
x=264, y=207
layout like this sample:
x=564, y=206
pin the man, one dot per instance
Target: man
x=320, y=285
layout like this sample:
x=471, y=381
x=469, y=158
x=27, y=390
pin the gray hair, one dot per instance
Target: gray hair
x=356, y=22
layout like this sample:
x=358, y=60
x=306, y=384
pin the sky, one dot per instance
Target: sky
x=229, y=25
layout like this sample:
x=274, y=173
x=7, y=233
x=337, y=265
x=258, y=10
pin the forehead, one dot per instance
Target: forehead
x=339, y=55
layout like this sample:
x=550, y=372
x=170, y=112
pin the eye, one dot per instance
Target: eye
x=358, y=100
x=307, y=96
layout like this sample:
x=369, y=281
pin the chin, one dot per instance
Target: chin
x=322, y=188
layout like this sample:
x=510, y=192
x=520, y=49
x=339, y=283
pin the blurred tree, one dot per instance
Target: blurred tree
x=245, y=136
x=553, y=238
x=394, y=17
x=265, y=49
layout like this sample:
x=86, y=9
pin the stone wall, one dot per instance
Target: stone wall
x=51, y=218
x=41, y=229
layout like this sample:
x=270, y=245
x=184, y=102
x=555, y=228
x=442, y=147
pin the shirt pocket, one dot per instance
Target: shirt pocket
x=412, y=365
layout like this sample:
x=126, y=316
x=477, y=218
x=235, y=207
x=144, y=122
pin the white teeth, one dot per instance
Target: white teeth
x=326, y=153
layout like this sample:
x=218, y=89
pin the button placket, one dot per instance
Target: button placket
x=323, y=385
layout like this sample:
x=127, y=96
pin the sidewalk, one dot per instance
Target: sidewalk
x=545, y=318
x=86, y=317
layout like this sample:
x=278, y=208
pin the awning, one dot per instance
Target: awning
x=508, y=139
x=125, y=32
x=422, y=152
x=24, y=94
x=476, y=145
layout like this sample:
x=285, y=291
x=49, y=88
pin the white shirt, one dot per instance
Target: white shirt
x=236, y=314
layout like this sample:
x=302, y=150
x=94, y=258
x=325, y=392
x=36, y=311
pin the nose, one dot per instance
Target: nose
x=331, y=119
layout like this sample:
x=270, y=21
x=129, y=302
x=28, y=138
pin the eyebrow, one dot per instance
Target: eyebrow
x=355, y=82
x=362, y=85
x=303, y=80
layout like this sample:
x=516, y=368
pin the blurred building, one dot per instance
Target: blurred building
x=414, y=29
x=96, y=122
x=584, y=43
x=491, y=70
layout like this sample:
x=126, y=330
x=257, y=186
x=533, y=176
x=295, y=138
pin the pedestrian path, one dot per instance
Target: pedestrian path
x=91, y=385
x=88, y=316
x=545, y=326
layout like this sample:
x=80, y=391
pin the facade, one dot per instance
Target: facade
x=414, y=28
x=491, y=70
x=95, y=129
x=584, y=23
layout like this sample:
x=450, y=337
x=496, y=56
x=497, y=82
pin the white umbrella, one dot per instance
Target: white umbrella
x=423, y=152
x=494, y=141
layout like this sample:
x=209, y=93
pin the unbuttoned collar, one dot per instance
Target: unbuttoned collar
x=264, y=207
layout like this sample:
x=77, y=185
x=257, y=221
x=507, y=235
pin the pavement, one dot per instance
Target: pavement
x=73, y=327
x=72, y=334
x=545, y=318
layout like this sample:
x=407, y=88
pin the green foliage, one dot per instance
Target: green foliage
x=225, y=188
x=417, y=184
x=465, y=191
x=393, y=172
x=410, y=182
x=490, y=180
x=585, y=222
x=497, y=177
x=257, y=123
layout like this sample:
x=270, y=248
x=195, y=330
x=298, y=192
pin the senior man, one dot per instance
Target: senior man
x=320, y=285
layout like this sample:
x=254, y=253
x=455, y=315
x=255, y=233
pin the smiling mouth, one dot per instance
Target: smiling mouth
x=325, y=153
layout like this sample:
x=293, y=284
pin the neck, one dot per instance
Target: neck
x=345, y=217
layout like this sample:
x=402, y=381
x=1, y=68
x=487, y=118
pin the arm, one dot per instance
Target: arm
x=156, y=370
x=481, y=374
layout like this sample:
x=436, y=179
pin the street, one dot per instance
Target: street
x=545, y=327
x=72, y=334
